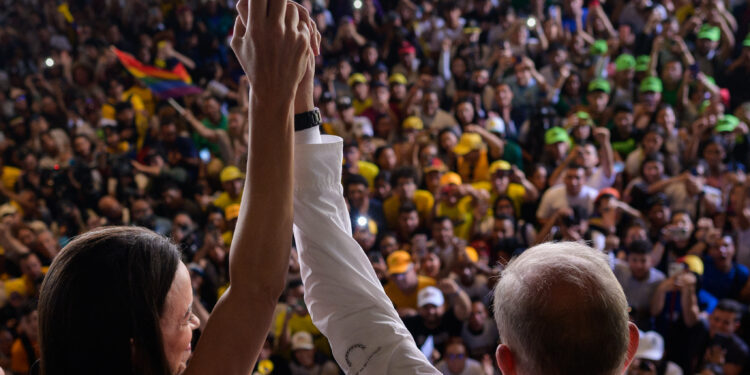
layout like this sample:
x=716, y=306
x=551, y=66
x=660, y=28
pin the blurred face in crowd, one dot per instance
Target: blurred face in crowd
x=405, y=188
x=236, y=122
x=465, y=113
x=651, y=99
x=597, y=101
x=364, y=237
x=572, y=85
x=723, y=322
x=539, y=177
x=169, y=132
x=639, y=265
x=430, y=104
x=361, y=91
x=653, y=171
x=448, y=140
x=408, y=222
x=388, y=244
x=455, y=356
x=574, y=180
x=182, y=226
x=141, y=210
x=370, y=56
x=714, y=155
x=458, y=67
x=32, y=267
x=305, y=357
x=212, y=107
x=502, y=229
x=523, y=75
x=634, y=233
x=406, y=281
x=672, y=73
x=387, y=159
x=500, y=181
x=652, y=142
x=504, y=207
x=658, y=215
x=430, y=265
x=504, y=95
x=234, y=187
x=478, y=316
x=705, y=46
x=442, y=232
x=683, y=221
x=722, y=253
x=666, y=118
x=383, y=127
x=588, y=156
x=382, y=95
x=382, y=189
x=432, y=179
x=558, y=150
x=427, y=153
x=398, y=91
x=357, y=195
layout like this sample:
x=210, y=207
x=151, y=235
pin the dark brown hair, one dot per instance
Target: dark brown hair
x=101, y=302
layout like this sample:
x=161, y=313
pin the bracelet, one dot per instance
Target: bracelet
x=307, y=120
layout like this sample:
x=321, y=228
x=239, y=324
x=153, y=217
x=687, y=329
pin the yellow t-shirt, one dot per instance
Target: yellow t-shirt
x=422, y=199
x=299, y=323
x=224, y=200
x=23, y=285
x=369, y=171
x=401, y=300
x=515, y=192
x=10, y=177
x=461, y=216
x=361, y=106
x=480, y=171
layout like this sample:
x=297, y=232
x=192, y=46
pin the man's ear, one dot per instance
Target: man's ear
x=505, y=360
x=635, y=338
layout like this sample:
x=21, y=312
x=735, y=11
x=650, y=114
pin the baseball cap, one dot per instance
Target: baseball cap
x=727, y=123
x=599, y=47
x=413, y=123
x=232, y=211
x=468, y=143
x=650, y=346
x=302, y=340
x=608, y=191
x=7, y=209
x=356, y=78
x=430, y=296
x=397, y=78
x=642, y=62
x=556, y=134
x=436, y=165
x=405, y=48
x=693, y=262
x=499, y=165
x=230, y=173
x=624, y=62
x=651, y=84
x=472, y=254
x=398, y=262
x=343, y=102
x=712, y=33
x=600, y=84
x=450, y=178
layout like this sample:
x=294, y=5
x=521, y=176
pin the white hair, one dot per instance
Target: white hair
x=560, y=309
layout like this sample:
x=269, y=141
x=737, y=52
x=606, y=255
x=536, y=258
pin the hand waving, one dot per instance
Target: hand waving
x=272, y=42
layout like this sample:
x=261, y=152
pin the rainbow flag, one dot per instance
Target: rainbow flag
x=163, y=83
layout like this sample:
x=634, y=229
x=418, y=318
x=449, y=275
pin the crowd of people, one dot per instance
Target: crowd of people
x=473, y=129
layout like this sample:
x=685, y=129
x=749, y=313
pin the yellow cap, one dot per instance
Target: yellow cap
x=472, y=254
x=230, y=173
x=468, y=142
x=398, y=262
x=499, y=165
x=450, y=178
x=397, y=78
x=356, y=78
x=694, y=263
x=413, y=123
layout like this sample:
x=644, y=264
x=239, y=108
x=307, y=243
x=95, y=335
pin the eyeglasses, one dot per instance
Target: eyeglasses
x=455, y=356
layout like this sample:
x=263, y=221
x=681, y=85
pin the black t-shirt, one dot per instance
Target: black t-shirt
x=736, y=349
x=449, y=327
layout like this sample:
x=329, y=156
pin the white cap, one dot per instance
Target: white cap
x=651, y=346
x=430, y=296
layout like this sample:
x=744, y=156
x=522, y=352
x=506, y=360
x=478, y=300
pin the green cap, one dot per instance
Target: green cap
x=624, y=62
x=712, y=33
x=727, y=123
x=651, y=84
x=600, y=84
x=746, y=42
x=555, y=135
x=599, y=47
x=642, y=63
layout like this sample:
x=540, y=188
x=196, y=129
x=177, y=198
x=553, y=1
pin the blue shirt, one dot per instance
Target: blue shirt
x=723, y=285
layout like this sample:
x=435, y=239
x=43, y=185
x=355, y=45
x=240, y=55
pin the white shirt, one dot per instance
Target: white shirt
x=556, y=198
x=344, y=297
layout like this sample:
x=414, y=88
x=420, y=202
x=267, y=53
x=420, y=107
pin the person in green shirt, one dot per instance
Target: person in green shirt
x=214, y=120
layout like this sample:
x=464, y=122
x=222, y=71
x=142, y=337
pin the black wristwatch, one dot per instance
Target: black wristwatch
x=307, y=120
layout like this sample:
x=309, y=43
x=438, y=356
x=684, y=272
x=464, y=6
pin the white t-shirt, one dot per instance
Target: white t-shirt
x=556, y=198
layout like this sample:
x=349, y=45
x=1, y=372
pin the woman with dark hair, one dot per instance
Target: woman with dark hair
x=119, y=300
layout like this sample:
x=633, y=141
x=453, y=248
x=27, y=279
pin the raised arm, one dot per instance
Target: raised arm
x=272, y=42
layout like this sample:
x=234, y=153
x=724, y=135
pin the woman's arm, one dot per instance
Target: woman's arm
x=259, y=255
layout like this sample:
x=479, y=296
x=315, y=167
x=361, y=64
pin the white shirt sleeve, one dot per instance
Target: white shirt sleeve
x=342, y=292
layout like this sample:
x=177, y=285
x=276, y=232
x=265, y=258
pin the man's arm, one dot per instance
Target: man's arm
x=259, y=257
